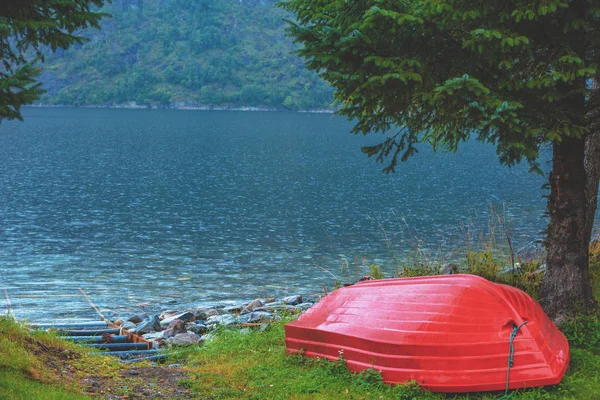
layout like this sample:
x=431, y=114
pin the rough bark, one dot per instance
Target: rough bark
x=566, y=286
x=592, y=156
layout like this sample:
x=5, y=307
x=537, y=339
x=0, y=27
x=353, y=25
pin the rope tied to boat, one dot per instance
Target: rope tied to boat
x=511, y=354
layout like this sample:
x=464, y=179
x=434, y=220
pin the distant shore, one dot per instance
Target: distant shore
x=135, y=106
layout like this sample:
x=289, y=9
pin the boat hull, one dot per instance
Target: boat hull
x=448, y=333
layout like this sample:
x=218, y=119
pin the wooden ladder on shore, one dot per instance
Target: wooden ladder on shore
x=104, y=336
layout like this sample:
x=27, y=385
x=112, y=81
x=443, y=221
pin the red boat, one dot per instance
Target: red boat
x=449, y=333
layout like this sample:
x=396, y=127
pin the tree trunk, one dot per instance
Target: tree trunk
x=566, y=288
x=592, y=156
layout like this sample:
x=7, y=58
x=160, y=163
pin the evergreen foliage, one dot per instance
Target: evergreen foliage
x=517, y=74
x=26, y=28
x=187, y=53
x=442, y=71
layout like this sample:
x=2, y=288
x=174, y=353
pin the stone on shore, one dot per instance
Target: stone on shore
x=185, y=317
x=212, y=312
x=221, y=319
x=128, y=325
x=292, y=300
x=184, y=339
x=234, y=309
x=198, y=328
x=175, y=327
x=136, y=319
x=199, y=313
x=149, y=325
x=254, y=304
x=153, y=336
x=184, y=328
x=168, y=314
x=255, y=317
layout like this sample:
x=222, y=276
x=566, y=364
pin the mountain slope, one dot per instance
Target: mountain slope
x=230, y=53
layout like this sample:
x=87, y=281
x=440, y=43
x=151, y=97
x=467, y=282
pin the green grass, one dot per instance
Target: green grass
x=24, y=372
x=251, y=364
x=17, y=385
x=39, y=365
x=254, y=365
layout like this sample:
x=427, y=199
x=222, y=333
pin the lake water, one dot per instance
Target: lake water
x=167, y=209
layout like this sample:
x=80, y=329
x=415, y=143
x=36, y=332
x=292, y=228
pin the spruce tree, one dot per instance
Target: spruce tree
x=520, y=75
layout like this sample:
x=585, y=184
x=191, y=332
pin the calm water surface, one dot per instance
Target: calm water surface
x=165, y=209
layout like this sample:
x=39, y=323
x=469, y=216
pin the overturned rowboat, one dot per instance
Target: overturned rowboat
x=451, y=333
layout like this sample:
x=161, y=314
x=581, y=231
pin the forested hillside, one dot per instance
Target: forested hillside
x=229, y=53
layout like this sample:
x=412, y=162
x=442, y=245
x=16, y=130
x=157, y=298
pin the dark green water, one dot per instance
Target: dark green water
x=180, y=208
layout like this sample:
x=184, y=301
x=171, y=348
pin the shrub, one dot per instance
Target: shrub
x=483, y=264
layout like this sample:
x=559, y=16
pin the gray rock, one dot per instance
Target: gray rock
x=212, y=312
x=153, y=336
x=136, y=319
x=149, y=325
x=175, y=327
x=185, y=317
x=292, y=300
x=268, y=300
x=234, y=309
x=199, y=313
x=184, y=339
x=196, y=328
x=532, y=252
x=128, y=325
x=134, y=372
x=174, y=366
x=221, y=319
x=201, y=316
x=168, y=314
x=254, y=304
x=450, y=269
x=267, y=308
x=256, y=316
x=274, y=306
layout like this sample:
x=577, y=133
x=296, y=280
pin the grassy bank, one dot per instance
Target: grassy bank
x=249, y=364
x=245, y=364
x=39, y=365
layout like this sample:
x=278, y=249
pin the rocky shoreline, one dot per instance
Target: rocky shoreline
x=173, y=328
x=180, y=106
